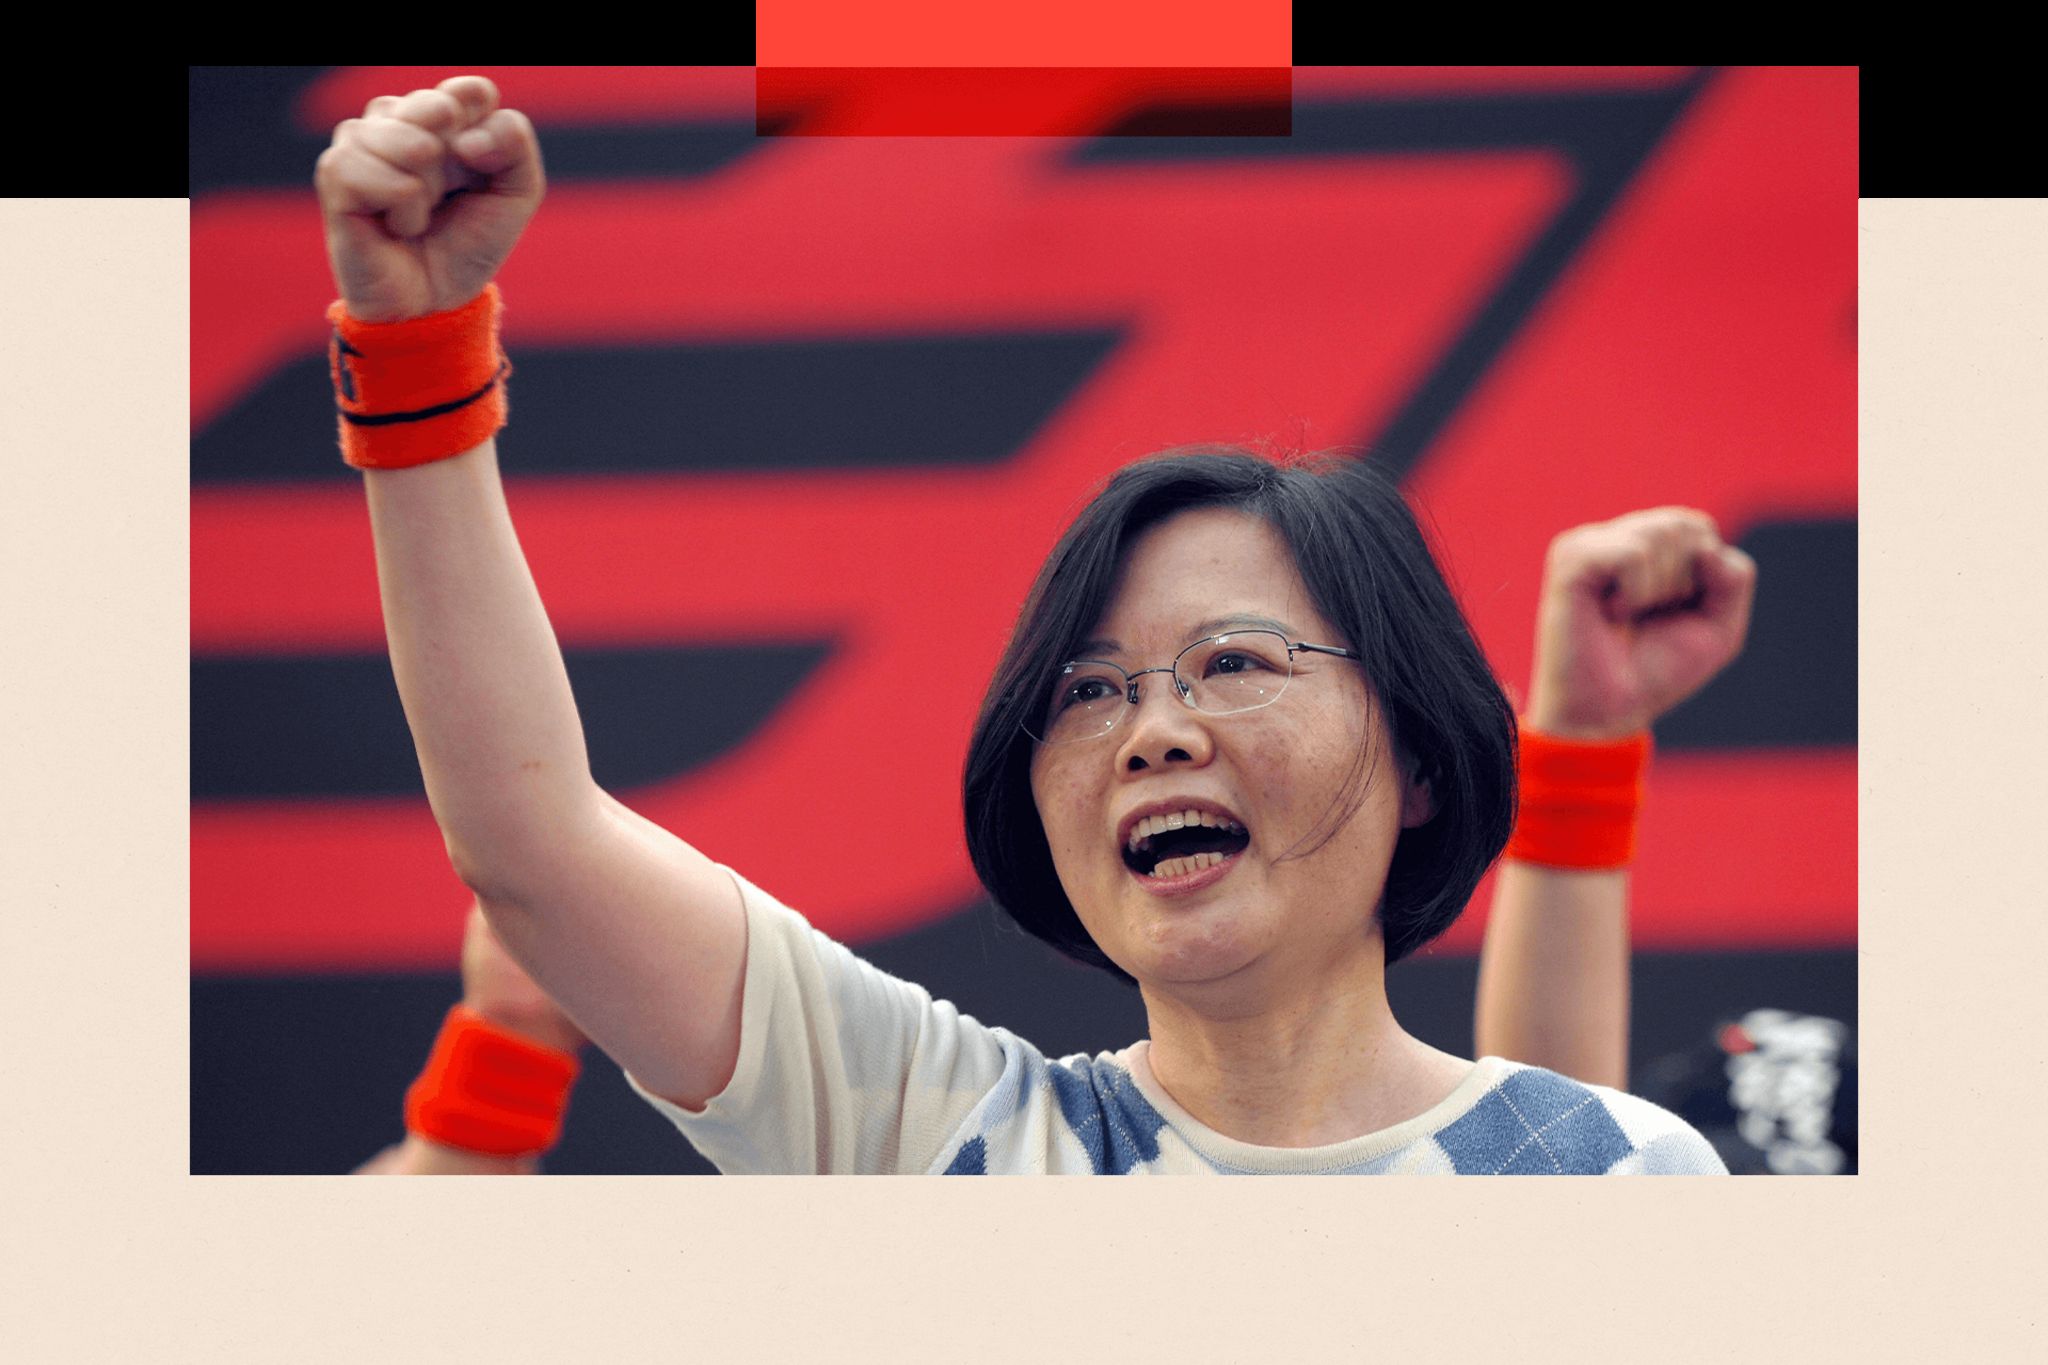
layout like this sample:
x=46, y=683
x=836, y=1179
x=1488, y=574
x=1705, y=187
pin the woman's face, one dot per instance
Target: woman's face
x=1278, y=771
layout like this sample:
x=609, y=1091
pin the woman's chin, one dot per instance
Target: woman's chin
x=1192, y=949
x=1185, y=940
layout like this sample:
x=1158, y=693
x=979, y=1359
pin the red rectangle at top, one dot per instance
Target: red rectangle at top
x=1023, y=101
x=1024, y=33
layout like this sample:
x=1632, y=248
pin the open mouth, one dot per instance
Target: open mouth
x=1190, y=848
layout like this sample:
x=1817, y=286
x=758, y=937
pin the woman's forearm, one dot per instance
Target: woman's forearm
x=1553, y=972
x=479, y=672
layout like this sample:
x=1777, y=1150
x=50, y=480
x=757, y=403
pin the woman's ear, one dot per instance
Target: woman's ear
x=1418, y=795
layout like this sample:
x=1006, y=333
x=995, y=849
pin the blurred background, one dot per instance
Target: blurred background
x=791, y=411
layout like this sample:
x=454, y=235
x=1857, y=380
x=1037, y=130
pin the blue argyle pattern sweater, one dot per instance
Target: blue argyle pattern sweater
x=846, y=1069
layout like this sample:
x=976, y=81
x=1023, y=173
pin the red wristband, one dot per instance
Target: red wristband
x=486, y=1089
x=1579, y=801
x=420, y=390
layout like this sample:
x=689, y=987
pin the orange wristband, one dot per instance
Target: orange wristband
x=486, y=1089
x=1579, y=801
x=420, y=390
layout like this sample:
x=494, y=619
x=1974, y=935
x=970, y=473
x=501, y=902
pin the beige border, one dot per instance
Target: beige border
x=113, y=1253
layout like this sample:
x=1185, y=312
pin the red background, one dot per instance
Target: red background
x=1696, y=348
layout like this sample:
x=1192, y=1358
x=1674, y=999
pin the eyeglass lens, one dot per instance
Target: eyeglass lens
x=1222, y=674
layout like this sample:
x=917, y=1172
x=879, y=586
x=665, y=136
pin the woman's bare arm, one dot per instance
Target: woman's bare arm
x=639, y=937
x=479, y=672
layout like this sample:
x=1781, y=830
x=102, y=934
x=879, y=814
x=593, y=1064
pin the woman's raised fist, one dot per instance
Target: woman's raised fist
x=424, y=197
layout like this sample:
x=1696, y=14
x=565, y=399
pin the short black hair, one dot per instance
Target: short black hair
x=1371, y=574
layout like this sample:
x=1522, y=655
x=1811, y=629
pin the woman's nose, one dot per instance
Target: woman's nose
x=1161, y=725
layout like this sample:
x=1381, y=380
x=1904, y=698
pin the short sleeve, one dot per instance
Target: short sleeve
x=842, y=1067
x=1664, y=1143
x=1682, y=1151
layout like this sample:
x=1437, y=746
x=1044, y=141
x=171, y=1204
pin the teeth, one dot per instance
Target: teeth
x=1180, y=867
x=1157, y=824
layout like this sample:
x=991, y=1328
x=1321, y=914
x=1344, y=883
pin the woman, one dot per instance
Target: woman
x=1269, y=654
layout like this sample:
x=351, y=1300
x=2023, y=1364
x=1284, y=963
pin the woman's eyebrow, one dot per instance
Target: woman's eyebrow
x=1196, y=632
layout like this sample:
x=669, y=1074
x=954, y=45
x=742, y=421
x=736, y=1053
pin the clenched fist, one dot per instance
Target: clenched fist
x=424, y=196
x=1637, y=614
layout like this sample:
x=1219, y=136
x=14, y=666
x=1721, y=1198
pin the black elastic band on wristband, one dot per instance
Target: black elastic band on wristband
x=385, y=419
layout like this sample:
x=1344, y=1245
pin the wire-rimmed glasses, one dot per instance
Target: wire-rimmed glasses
x=1220, y=676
